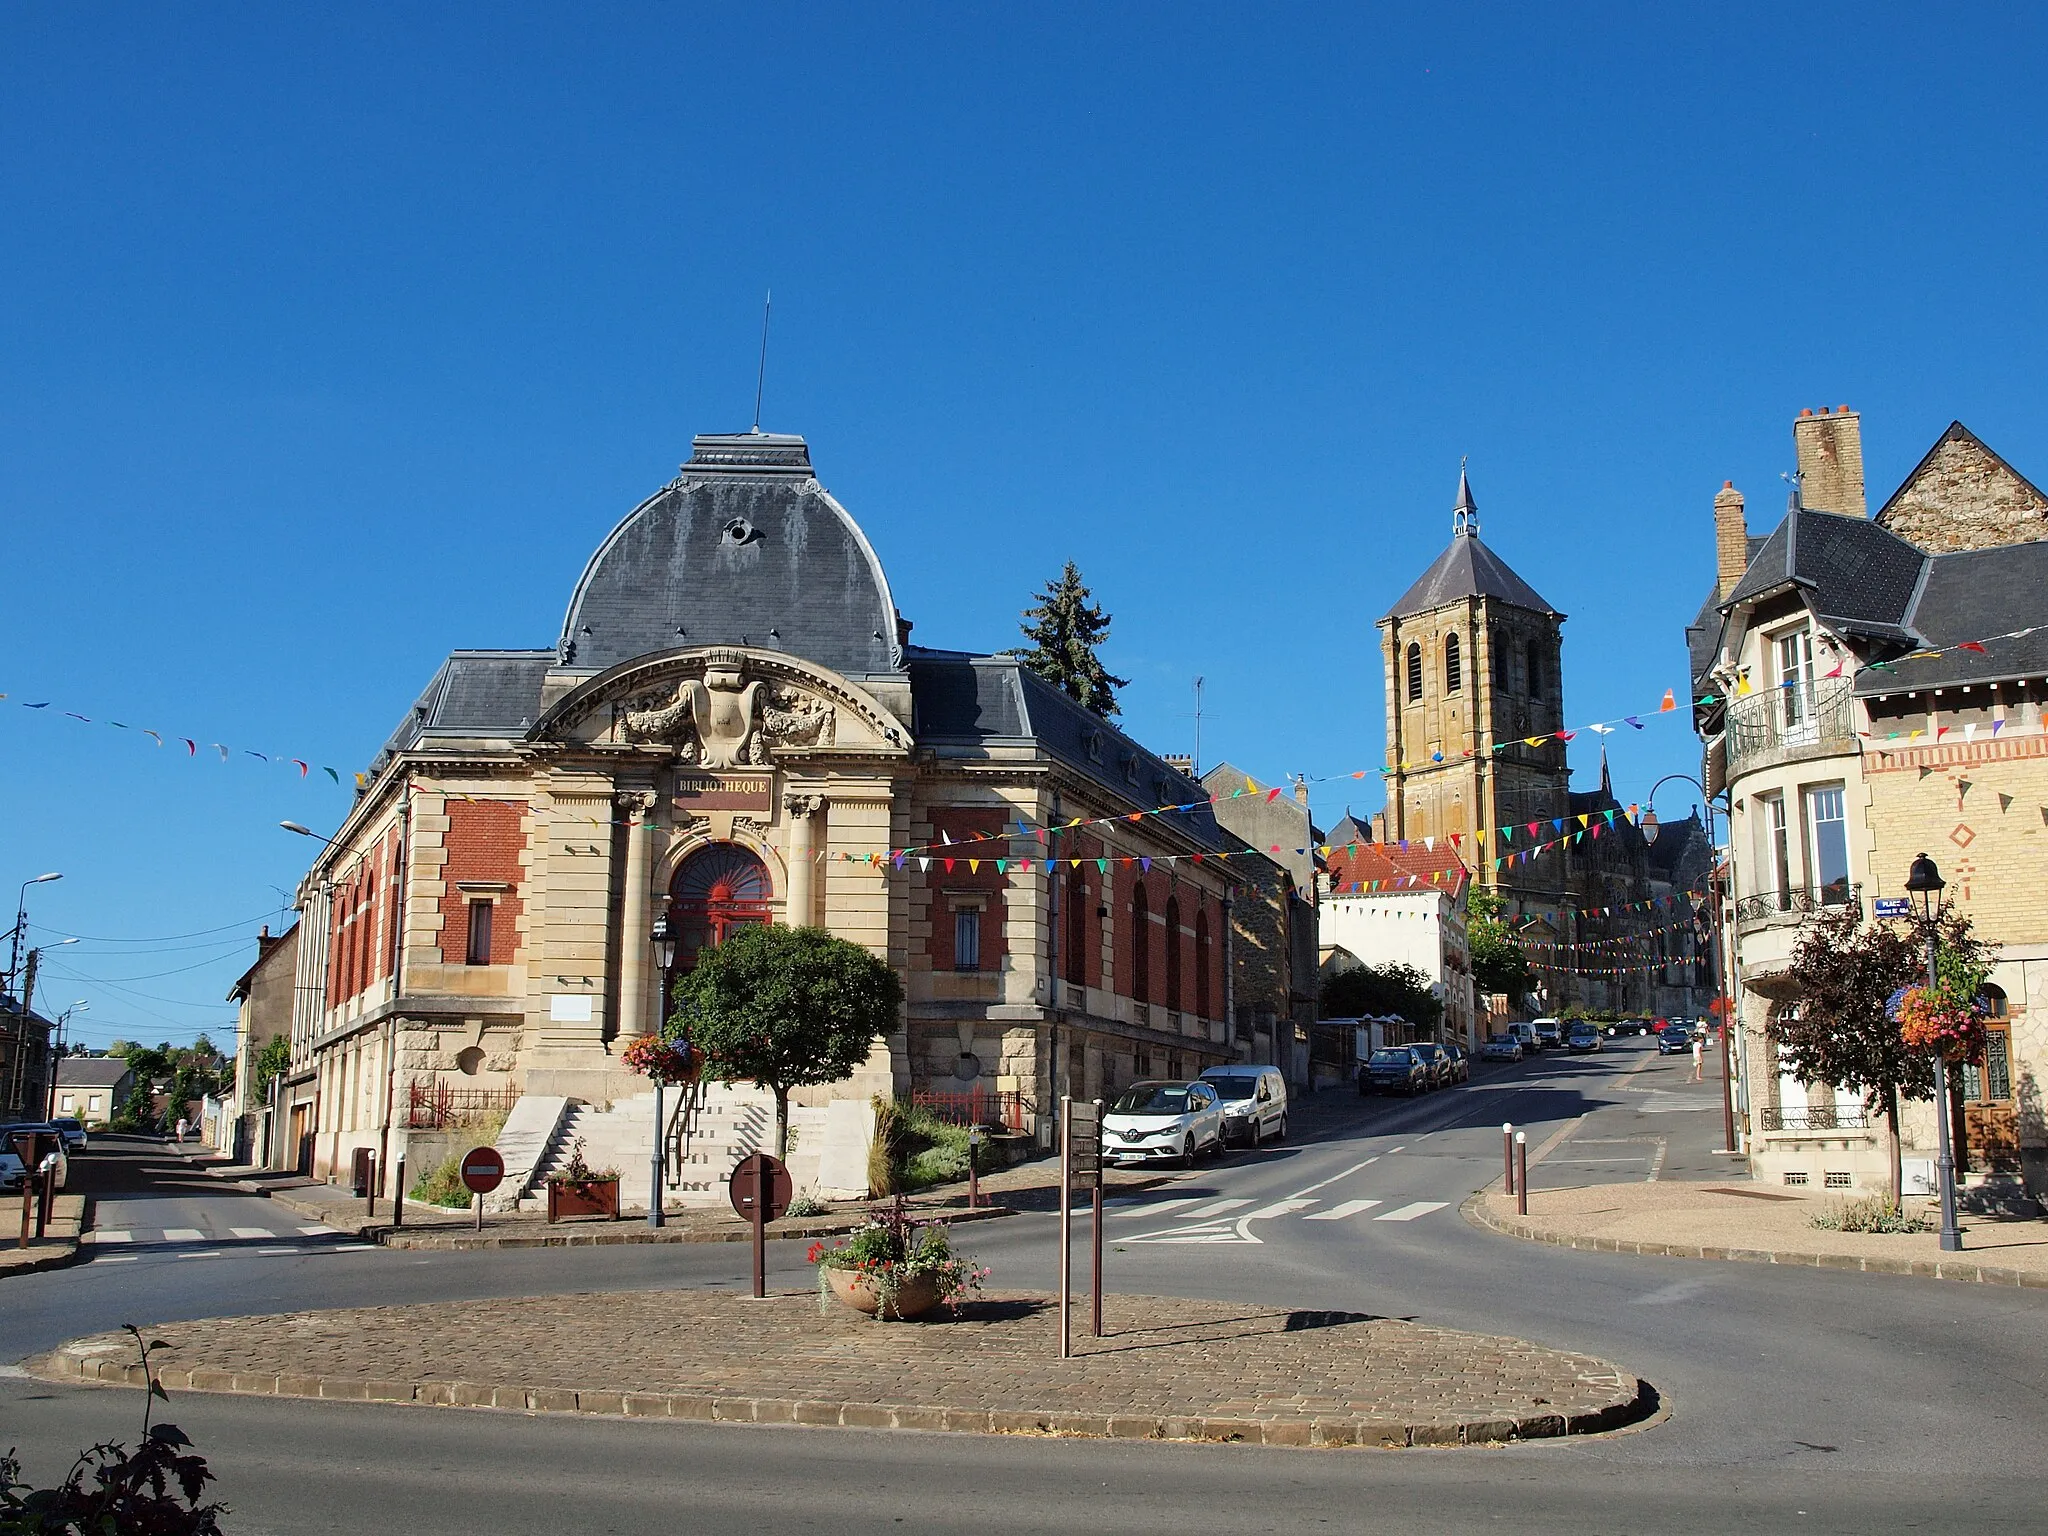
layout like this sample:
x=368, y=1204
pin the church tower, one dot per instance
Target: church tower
x=1473, y=661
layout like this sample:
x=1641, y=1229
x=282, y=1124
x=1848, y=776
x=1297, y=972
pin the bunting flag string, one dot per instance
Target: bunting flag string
x=1620, y=944
x=1981, y=646
x=192, y=745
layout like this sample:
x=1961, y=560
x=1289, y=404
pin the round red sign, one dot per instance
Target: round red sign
x=746, y=1181
x=483, y=1170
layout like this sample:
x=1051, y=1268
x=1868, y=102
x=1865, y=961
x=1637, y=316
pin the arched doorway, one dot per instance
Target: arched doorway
x=715, y=890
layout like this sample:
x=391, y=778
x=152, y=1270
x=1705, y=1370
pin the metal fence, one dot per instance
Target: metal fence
x=1814, y=716
x=432, y=1105
x=1003, y=1110
x=1789, y=906
x=1814, y=1117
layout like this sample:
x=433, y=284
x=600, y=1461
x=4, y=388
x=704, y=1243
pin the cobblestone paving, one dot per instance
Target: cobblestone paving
x=1166, y=1369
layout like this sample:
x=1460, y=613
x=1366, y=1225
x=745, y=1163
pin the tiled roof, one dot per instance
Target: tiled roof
x=1410, y=868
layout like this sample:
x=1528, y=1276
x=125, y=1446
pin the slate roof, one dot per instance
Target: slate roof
x=1969, y=595
x=490, y=694
x=744, y=548
x=1859, y=577
x=91, y=1071
x=967, y=703
x=1467, y=568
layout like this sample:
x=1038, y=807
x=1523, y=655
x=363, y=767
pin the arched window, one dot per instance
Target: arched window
x=1535, y=669
x=1202, y=960
x=1141, y=946
x=1454, y=667
x=715, y=890
x=1077, y=928
x=1992, y=995
x=1173, y=953
x=1414, y=671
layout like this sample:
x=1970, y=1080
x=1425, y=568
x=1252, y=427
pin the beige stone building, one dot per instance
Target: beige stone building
x=1877, y=686
x=734, y=728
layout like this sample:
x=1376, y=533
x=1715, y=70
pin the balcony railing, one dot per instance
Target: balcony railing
x=1769, y=909
x=1814, y=1117
x=1805, y=717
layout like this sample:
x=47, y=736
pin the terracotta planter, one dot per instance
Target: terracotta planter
x=583, y=1197
x=914, y=1297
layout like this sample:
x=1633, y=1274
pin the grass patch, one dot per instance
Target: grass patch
x=442, y=1186
x=1873, y=1213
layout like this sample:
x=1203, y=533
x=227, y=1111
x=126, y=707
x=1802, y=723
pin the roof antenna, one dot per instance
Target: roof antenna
x=1195, y=762
x=761, y=377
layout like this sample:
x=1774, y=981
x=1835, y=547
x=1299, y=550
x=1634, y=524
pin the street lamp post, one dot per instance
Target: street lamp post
x=664, y=941
x=1723, y=961
x=21, y=927
x=1925, y=882
x=64, y=1018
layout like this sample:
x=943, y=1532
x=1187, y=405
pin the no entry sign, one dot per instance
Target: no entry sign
x=483, y=1170
x=747, y=1182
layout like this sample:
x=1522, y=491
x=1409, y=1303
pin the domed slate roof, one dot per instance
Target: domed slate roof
x=744, y=548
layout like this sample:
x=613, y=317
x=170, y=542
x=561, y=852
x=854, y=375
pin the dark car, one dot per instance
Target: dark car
x=1501, y=1048
x=1673, y=1040
x=1549, y=1033
x=1583, y=1037
x=1438, y=1060
x=1461, y=1064
x=1394, y=1069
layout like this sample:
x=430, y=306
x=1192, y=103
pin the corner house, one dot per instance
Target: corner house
x=733, y=728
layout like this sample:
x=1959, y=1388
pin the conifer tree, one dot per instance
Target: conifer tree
x=1064, y=630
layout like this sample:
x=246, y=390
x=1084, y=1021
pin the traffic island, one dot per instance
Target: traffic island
x=1165, y=1369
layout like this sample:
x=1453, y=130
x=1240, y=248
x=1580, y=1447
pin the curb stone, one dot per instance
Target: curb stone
x=1475, y=1211
x=592, y=1234
x=101, y=1365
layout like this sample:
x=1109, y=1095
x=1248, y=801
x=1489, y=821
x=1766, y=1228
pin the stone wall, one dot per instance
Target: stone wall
x=1963, y=496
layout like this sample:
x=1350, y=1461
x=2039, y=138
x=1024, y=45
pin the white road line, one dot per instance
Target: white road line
x=1277, y=1208
x=319, y=1232
x=1216, y=1208
x=252, y=1231
x=1150, y=1208
x=1333, y=1178
x=111, y=1237
x=1339, y=1212
x=352, y=1247
x=125, y=1258
x=207, y=1253
x=1410, y=1212
x=183, y=1235
x=276, y=1250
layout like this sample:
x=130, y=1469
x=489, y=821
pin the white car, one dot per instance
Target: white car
x=1254, y=1102
x=1176, y=1120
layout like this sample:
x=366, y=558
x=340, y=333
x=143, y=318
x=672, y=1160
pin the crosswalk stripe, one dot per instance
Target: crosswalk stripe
x=1216, y=1208
x=1277, y=1208
x=1339, y=1212
x=1410, y=1212
x=183, y=1235
x=319, y=1232
x=252, y=1231
x=1152, y=1207
x=113, y=1237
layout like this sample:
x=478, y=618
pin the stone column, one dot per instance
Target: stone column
x=801, y=908
x=634, y=944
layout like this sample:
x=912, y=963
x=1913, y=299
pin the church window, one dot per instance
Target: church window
x=1454, y=669
x=1414, y=672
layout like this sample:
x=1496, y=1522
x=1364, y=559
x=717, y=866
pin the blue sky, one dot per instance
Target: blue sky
x=332, y=339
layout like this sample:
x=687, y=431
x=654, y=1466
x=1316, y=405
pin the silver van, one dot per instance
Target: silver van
x=1254, y=1102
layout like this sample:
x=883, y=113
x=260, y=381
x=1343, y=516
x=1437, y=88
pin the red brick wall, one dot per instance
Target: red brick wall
x=484, y=841
x=953, y=873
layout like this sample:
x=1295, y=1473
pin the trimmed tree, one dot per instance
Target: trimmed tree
x=785, y=1008
x=1064, y=630
x=1498, y=964
x=1379, y=989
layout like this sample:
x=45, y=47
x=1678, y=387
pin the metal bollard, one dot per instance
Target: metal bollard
x=1522, y=1172
x=398, y=1197
x=1507, y=1156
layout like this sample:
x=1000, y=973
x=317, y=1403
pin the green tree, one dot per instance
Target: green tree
x=785, y=1008
x=1498, y=964
x=273, y=1061
x=1381, y=989
x=1064, y=631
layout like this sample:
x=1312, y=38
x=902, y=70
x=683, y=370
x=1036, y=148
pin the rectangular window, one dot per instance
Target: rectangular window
x=1827, y=843
x=967, y=940
x=1773, y=851
x=1795, y=679
x=1992, y=1082
x=93, y=1103
x=479, y=952
x=63, y=1103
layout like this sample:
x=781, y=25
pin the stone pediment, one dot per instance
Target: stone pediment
x=724, y=707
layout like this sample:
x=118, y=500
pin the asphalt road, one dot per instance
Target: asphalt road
x=1794, y=1398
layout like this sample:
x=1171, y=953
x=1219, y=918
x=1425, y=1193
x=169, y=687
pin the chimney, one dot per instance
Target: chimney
x=1731, y=539
x=1831, y=461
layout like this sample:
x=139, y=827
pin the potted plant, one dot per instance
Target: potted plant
x=581, y=1190
x=894, y=1268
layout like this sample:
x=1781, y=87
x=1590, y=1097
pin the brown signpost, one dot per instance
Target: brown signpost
x=483, y=1170
x=38, y=1187
x=760, y=1190
x=1080, y=1168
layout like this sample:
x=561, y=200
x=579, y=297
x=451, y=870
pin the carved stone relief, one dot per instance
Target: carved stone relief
x=725, y=721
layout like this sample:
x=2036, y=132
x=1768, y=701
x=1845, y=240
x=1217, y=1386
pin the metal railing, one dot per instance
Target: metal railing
x=434, y=1105
x=1814, y=1117
x=1815, y=717
x=1789, y=906
x=1005, y=1110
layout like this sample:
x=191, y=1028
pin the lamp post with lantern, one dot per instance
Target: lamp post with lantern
x=664, y=942
x=1924, y=881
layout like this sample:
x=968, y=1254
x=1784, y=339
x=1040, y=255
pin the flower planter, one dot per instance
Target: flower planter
x=914, y=1297
x=583, y=1197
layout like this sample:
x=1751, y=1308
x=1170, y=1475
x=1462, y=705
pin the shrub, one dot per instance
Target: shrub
x=1873, y=1213
x=443, y=1186
x=808, y=1203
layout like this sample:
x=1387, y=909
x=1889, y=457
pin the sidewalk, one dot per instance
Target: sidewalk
x=56, y=1248
x=1168, y=1369
x=1739, y=1220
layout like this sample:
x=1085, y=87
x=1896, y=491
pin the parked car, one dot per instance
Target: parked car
x=1501, y=1048
x=74, y=1133
x=1673, y=1040
x=1461, y=1064
x=1154, y=1119
x=1394, y=1069
x=10, y=1173
x=1584, y=1037
x=1436, y=1060
x=1549, y=1033
x=43, y=1127
x=1254, y=1102
x=1525, y=1036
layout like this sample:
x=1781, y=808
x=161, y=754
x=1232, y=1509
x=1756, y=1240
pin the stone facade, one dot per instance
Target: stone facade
x=1964, y=496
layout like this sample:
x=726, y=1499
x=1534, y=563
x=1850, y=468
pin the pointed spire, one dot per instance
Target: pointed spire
x=1606, y=779
x=1465, y=515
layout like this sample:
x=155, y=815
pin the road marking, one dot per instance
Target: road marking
x=183, y=1235
x=112, y=1237
x=252, y=1231
x=1339, y=1212
x=207, y=1253
x=125, y=1258
x=276, y=1250
x=319, y=1232
x=1216, y=1208
x=1335, y=1177
x=1151, y=1208
x=1277, y=1208
x=352, y=1247
x=1410, y=1212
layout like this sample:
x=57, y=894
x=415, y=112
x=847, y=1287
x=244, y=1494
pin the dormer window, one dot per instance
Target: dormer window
x=1093, y=742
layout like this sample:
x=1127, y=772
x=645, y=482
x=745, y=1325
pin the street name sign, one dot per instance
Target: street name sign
x=1892, y=906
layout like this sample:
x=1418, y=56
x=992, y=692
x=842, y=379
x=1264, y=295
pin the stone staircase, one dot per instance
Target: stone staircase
x=730, y=1122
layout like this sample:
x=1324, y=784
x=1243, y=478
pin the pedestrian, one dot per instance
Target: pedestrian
x=1699, y=1057
x=183, y=1123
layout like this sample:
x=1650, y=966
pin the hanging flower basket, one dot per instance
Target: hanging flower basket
x=670, y=1063
x=1933, y=1021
